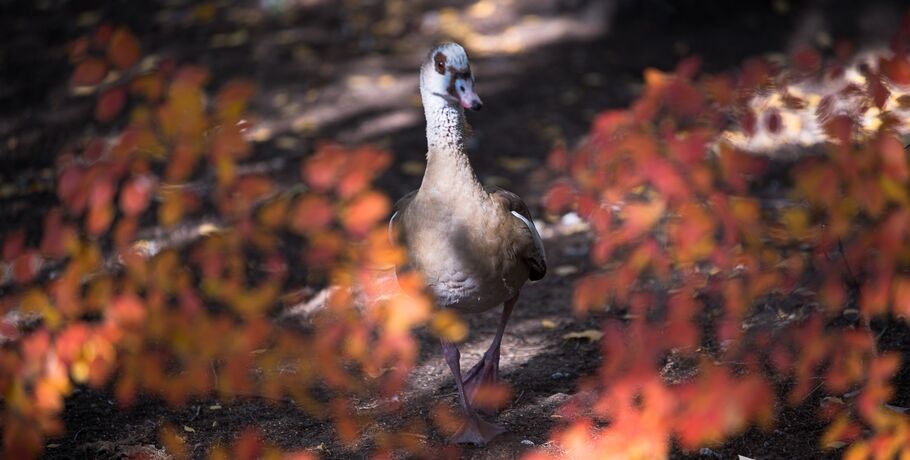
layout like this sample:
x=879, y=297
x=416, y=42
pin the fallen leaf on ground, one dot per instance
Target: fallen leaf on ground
x=565, y=270
x=592, y=335
x=548, y=324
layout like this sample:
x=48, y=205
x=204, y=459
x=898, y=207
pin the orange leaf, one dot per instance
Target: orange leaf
x=902, y=296
x=135, y=195
x=232, y=99
x=640, y=217
x=321, y=171
x=151, y=86
x=99, y=219
x=127, y=310
x=365, y=211
x=492, y=396
x=123, y=48
x=447, y=325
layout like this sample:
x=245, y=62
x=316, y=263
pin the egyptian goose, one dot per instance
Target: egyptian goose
x=474, y=246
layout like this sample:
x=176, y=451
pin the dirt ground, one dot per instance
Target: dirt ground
x=316, y=65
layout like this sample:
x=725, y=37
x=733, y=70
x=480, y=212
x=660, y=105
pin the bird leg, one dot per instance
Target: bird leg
x=486, y=371
x=475, y=430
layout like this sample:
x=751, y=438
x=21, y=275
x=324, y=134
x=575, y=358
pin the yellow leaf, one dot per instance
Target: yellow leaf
x=80, y=371
x=548, y=324
x=591, y=335
x=449, y=326
x=894, y=190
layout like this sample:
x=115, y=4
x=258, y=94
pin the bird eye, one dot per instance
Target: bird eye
x=461, y=87
x=440, y=60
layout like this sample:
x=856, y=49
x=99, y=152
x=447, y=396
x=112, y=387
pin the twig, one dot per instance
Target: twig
x=853, y=282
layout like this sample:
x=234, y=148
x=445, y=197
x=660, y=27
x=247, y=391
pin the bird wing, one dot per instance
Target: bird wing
x=532, y=251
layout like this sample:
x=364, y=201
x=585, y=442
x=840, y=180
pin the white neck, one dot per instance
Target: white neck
x=448, y=169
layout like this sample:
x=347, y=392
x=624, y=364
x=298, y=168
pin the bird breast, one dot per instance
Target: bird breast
x=463, y=262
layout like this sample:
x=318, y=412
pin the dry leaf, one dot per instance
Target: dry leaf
x=548, y=324
x=592, y=335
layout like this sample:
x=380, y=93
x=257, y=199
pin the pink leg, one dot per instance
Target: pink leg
x=475, y=430
x=486, y=371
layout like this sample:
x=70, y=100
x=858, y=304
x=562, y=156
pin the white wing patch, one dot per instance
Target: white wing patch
x=538, y=243
x=392, y=227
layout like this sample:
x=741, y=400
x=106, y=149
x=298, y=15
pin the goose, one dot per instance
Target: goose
x=475, y=246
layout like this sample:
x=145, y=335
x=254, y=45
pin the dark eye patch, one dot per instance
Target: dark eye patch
x=458, y=74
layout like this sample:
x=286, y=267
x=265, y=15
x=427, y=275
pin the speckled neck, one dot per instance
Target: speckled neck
x=448, y=169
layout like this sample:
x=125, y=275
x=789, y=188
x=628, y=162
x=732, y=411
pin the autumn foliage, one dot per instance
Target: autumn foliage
x=162, y=269
x=694, y=247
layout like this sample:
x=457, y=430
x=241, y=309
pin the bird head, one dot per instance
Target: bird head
x=446, y=73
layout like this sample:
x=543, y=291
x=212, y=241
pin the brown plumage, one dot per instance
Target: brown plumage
x=475, y=246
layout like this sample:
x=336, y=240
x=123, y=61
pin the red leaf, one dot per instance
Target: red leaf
x=683, y=99
x=311, y=212
x=57, y=235
x=773, y=121
x=123, y=49
x=896, y=70
x=877, y=90
x=688, y=67
x=70, y=188
x=103, y=34
x=102, y=192
x=558, y=160
x=79, y=48
x=559, y=198
x=109, y=105
x=249, y=445
x=894, y=158
x=688, y=147
x=13, y=244
x=26, y=266
x=807, y=60
x=89, y=72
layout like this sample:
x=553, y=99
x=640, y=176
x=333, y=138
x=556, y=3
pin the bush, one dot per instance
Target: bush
x=696, y=245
